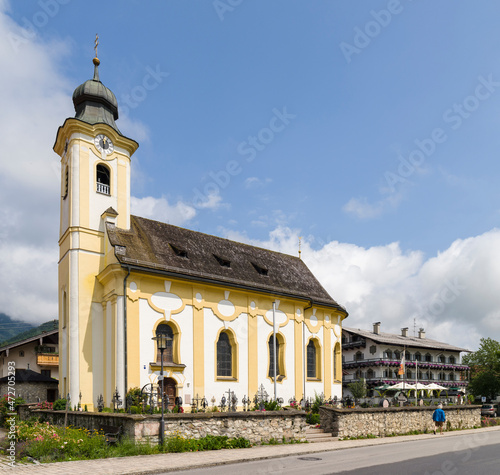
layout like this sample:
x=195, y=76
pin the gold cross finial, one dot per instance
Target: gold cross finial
x=300, y=243
x=96, y=43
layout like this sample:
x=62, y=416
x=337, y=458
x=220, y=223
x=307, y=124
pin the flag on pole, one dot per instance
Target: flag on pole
x=402, y=365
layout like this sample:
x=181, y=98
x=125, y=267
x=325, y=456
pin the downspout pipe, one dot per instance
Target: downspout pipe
x=304, y=350
x=125, y=332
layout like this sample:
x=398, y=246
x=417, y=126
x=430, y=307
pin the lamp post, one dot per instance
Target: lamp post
x=161, y=343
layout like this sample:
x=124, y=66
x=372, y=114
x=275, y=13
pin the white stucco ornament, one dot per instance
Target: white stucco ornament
x=199, y=298
x=252, y=305
x=327, y=318
x=166, y=301
x=280, y=316
x=313, y=318
x=133, y=287
x=225, y=307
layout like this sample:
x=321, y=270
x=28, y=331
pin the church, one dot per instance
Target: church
x=123, y=279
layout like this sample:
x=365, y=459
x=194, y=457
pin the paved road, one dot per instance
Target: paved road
x=471, y=452
x=335, y=456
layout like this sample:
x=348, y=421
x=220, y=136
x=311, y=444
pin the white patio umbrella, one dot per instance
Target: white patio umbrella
x=433, y=386
x=400, y=386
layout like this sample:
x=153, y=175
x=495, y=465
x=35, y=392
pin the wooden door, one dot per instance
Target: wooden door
x=170, y=391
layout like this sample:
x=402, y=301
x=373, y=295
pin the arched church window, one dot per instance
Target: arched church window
x=103, y=179
x=280, y=357
x=271, y=356
x=337, y=364
x=313, y=370
x=168, y=353
x=224, y=356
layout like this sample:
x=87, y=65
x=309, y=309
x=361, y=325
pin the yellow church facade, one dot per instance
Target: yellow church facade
x=123, y=279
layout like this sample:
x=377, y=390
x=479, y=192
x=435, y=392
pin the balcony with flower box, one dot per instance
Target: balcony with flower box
x=47, y=355
x=47, y=359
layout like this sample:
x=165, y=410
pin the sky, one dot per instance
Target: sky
x=369, y=129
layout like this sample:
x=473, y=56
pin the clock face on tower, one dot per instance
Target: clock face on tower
x=104, y=144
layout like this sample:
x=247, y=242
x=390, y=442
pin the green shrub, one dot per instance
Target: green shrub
x=48, y=443
x=136, y=396
x=272, y=406
x=312, y=418
x=319, y=400
x=7, y=405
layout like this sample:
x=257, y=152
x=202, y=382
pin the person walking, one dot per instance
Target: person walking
x=439, y=418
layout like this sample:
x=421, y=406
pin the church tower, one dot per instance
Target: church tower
x=95, y=189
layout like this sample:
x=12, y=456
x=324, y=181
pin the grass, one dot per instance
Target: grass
x=273, y=441
x=47, y=443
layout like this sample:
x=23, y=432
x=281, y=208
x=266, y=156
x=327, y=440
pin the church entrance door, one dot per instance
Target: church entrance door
x=170, y=391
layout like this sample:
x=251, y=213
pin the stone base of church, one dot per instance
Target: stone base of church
x=255, y=426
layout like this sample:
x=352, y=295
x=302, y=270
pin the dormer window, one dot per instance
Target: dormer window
x=259, y=269
x=222, y=262
x=179, y=252
x=103, y=179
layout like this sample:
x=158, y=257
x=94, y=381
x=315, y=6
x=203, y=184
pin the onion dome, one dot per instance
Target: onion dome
x=94, y=102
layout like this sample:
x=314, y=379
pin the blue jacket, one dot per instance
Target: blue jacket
x=439, y=415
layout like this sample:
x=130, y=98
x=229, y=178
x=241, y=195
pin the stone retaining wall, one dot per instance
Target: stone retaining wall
x=255, y=426
x=383, y=421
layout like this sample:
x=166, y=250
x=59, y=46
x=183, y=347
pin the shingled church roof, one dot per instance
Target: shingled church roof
x=178, y=252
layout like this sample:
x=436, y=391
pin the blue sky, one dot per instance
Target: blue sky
x=369, y=128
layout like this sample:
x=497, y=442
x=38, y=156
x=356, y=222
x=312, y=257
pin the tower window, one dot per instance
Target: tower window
x=66, y=183
x=103, y=179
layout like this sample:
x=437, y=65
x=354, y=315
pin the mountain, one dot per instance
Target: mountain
x=15, y=330
x=9, y=328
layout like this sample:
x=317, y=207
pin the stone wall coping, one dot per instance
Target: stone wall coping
x=361, y=410
x=182, y=416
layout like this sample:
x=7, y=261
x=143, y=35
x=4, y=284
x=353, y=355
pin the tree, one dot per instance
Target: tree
x=358, y=389
x=485, y=369
x=485, y=384
x=486, y=357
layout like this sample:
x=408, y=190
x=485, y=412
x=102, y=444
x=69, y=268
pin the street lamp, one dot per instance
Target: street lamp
x=161, y=343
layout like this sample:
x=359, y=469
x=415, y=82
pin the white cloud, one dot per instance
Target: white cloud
x=452, y=295
x=254, y=182
x=37, y=101
x=362, y=209
x=211, y=201
x=160, y=210
x=29, y=171
x=134, y=128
